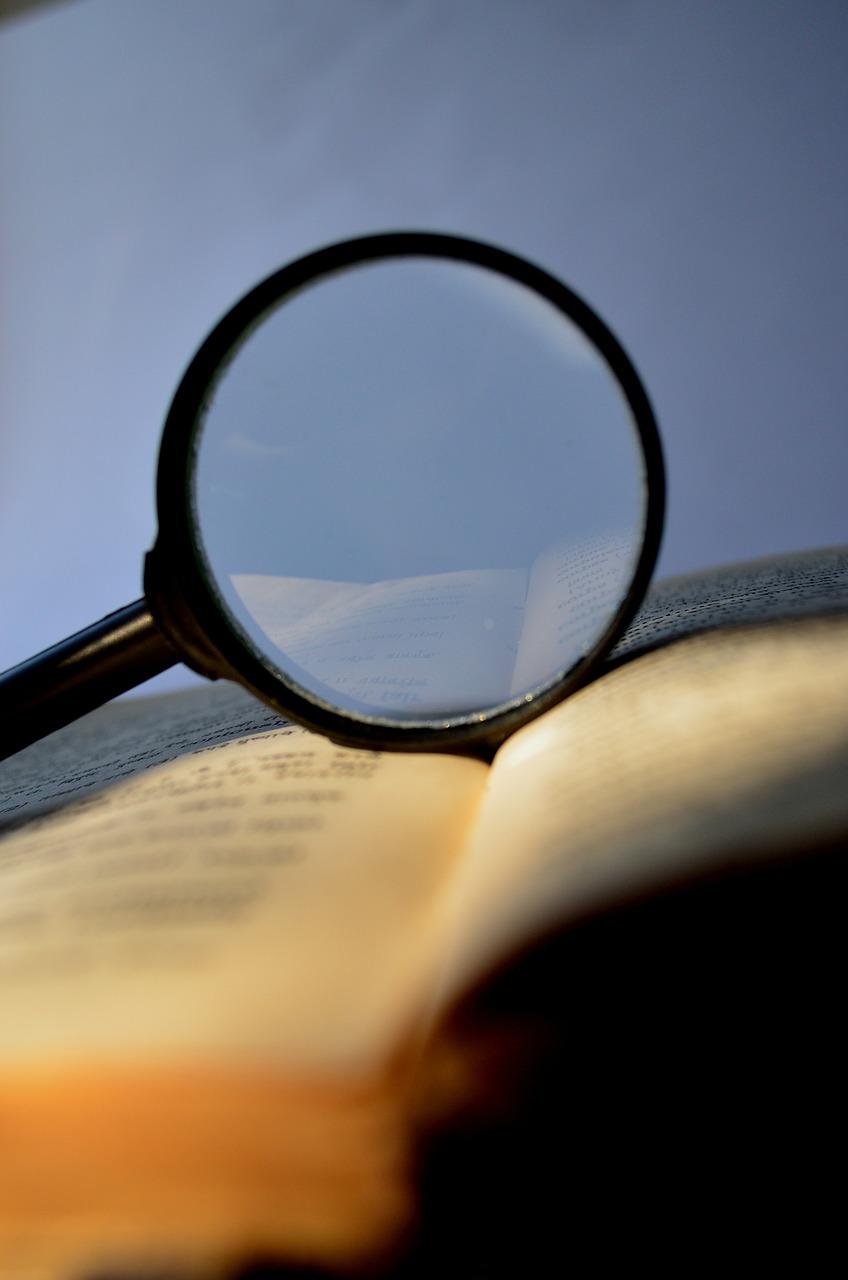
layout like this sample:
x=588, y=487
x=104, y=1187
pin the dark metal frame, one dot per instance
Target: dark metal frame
x=189, y=609
x=181, y=616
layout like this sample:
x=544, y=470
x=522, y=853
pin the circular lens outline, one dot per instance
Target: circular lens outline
x=202, y=605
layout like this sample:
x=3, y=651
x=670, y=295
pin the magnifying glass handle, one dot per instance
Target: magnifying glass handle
x=80, y=673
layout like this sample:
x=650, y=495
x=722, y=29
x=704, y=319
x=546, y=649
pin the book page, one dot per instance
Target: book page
x=724, y=746
x=574, y=591
x=262, y=901
x=277, y=602
x=801, y=584
x=440, y=642
x=123, y=738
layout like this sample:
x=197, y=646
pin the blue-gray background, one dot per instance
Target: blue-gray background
x=681, y=164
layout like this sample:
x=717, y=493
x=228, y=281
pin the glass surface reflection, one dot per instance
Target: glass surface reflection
x=419, y=491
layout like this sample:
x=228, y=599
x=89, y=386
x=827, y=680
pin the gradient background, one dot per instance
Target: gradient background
x=682, y=164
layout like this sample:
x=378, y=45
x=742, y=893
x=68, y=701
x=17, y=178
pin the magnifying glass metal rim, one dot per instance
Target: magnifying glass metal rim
x=185, y=602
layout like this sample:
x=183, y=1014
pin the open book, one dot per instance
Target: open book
x=253, y=985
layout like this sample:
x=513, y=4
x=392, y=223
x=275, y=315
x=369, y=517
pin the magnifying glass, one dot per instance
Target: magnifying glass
x=410, y=492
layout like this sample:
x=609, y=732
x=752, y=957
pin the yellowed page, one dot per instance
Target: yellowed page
x=207, y=969
x=264, y=901
x=719, y=746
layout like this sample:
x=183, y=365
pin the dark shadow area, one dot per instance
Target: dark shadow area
x=675, y=1097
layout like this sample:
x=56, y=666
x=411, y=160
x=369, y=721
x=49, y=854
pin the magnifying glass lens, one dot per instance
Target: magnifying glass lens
x=418, y=492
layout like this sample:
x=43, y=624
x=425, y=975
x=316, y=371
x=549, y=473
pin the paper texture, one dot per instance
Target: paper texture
x=268, y=900
x=721, y=747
